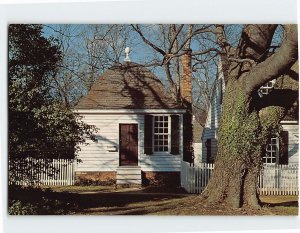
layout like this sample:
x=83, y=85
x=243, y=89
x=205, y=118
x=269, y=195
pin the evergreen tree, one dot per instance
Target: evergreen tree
x=39, y=126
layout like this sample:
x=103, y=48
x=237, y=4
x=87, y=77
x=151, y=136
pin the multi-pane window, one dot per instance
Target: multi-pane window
x=161, y=134
x=272, y=152
x=267, y=88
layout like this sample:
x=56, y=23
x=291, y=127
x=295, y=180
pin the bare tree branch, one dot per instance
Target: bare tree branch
x=188, y=38
x=137, y=29
x=175, y=37
x=221, y=39
x=174, y=47
x=169, y=77
x=277, y=64
x=240, y=60
x=169, y=57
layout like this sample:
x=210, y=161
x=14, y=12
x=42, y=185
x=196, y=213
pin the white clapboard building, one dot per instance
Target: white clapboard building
x=139, y=138
x=283, y=151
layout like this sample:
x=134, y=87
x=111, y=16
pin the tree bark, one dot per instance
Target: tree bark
x=243, y=128
x=237, y=162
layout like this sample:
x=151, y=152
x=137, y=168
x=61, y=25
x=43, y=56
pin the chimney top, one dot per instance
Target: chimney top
x=127, y=50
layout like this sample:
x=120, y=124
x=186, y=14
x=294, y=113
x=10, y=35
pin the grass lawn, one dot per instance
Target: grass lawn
x=107, y=200
x=281, y=205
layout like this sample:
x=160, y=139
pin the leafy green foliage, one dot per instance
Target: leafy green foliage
x=39, y=126
x=17, y=207
x=240, y=135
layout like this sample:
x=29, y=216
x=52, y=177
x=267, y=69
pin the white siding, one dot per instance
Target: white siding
x=197, y=152
x=293, y=130
x=96, y=157
x=162, y=163
x=212, y=123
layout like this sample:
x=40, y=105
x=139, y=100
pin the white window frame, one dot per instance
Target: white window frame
x=274, y=142
x=266, y=88
x=169, y=135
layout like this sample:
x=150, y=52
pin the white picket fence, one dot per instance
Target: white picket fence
x=273, y=180
x=279, y=180
x=61, y=172
x=195, y=178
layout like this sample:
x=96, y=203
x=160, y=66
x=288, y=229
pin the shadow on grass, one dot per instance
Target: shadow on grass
x=152, y=200
x=164, y=189
x=128, y=210
x=284, y=203
x=46, y=201
x=120, y=199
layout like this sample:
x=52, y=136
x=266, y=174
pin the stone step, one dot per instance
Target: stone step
x=139, y=181
x=128, y=176
x=129, y=167
x=128, y=171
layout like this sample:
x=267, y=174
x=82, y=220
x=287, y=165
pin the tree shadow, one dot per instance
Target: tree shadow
x=119, y=199
x=49, y=202
x=283, y=203
x=129, y=210
x=143, y=87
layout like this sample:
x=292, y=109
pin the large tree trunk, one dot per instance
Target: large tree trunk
x=243, y=128
x=238, y=156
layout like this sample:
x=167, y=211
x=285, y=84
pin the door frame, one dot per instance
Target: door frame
x=138, y=143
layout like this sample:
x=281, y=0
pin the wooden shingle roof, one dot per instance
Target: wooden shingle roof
x=128, y=86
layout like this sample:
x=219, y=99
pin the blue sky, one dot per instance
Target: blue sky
x=142, y=53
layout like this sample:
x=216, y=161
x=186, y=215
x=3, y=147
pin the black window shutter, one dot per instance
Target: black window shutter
x=148, y=134
x=284, y=148
x=175, y=134
x=221, y=91
x=208, y=151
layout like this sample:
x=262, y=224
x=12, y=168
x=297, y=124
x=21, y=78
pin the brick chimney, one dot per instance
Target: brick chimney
x=186, y=98
x=186, y=78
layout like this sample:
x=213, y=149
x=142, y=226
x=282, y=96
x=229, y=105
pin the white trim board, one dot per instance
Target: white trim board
x=289, y=122
x=128, y=111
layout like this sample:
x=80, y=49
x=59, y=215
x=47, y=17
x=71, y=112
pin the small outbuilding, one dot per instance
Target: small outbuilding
x=140, y=129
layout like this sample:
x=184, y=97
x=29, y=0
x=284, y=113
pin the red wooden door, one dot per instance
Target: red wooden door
x=128, y=144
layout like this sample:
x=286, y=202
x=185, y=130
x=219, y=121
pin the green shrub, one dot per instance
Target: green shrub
x=16, y=207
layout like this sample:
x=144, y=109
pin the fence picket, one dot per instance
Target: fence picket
x=272, y=180
x=64, y=176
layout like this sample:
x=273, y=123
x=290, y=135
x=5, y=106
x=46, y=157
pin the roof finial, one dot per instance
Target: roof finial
x=127, y=50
